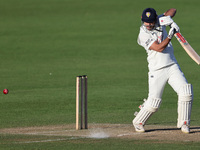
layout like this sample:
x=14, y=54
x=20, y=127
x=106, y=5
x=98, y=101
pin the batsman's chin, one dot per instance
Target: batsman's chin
x=149, y=28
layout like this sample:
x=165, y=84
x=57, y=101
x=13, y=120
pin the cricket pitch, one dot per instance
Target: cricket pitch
x=153, y=132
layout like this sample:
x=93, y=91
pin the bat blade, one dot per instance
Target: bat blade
x=189, y=50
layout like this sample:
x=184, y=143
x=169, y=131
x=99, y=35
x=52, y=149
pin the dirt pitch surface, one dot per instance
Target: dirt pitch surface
x=98, y=131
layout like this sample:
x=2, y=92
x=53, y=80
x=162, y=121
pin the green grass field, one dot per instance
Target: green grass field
x=45, y=44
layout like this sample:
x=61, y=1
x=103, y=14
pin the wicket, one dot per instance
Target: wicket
x=81, y=82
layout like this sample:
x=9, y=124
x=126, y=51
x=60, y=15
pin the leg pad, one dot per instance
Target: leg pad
x=185, y=99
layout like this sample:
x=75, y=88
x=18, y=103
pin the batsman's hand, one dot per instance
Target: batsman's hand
x=175, y=26
x=165, y=21
x=172, y=31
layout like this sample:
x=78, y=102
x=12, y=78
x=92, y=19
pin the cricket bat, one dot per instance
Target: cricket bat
x=190, y=51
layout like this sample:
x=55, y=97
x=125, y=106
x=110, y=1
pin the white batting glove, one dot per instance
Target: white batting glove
x=165, y=21
x=175, y=26
x=171, y=33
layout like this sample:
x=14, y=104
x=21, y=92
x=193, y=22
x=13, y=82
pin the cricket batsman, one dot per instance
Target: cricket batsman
x=163, y=68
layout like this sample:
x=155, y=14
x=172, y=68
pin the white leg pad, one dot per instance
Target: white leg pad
x=149, y=107
x=185, y=99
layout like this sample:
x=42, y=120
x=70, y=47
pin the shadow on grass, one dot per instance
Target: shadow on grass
x=175, y=129
x=195, y=128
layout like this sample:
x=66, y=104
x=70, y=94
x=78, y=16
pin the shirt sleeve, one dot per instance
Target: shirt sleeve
x=145, y=40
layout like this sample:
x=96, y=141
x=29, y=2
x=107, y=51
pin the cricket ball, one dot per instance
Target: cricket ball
x=5, y=91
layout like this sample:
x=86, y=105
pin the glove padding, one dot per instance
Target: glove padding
x=165, y=21
x=172, y=31
x=175, y=26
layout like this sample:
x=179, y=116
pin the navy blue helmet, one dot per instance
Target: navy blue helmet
x=149, y=15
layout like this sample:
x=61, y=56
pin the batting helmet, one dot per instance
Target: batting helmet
x=149, y=15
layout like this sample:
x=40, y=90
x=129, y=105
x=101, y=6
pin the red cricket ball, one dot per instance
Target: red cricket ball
x=5, y=91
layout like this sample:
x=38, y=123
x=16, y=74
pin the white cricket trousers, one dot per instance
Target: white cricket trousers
x=158, y=79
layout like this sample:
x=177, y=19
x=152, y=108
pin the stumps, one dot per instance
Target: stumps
x=81, y=106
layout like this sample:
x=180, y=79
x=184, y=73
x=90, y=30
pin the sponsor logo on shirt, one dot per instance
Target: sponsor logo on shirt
x=148, y=42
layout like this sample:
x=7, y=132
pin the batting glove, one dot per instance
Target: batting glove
x=165, y=21
x=171, y=33
x=175, y=26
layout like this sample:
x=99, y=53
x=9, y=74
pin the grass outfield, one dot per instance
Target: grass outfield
x=85, y=144
x=45, y=44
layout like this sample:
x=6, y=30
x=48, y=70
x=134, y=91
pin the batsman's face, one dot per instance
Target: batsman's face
x=149, y=26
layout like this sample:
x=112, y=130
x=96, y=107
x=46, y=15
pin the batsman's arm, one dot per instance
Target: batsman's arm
x=159, y=47
x=171, y=12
